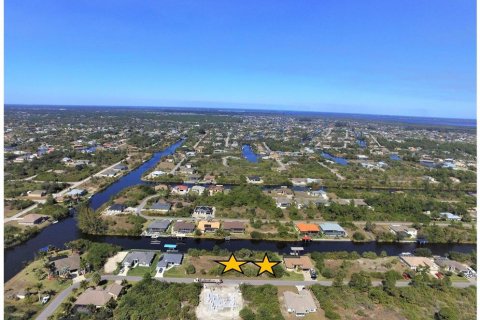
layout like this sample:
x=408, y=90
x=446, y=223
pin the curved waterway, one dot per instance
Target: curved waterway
x=66, y=230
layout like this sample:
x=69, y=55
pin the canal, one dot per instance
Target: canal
x=66, y=230
x=248, y=153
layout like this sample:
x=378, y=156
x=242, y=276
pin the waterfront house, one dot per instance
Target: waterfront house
x=414, y=262
x=169, y=259
x=403, y=231
x=298, y=262
x=158, y=226
x=66, y=265
x=451, y=265
x=234, y=226
x=116, y=208
x=183, y=227
x=332, y=229
x=208, y=226
x=307, y=228
x=180, y=190
x=213, y=190
x=139, y=258
x=198, y=190
x=254, y=180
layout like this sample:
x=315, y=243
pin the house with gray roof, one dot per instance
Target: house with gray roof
x=139, y=258
x=161, y=206
x=169, y=259
x=332, y=229
x=158, y=226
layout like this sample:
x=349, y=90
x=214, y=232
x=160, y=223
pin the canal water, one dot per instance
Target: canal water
x=339, y=160
x=248, y=153
x=66, y=230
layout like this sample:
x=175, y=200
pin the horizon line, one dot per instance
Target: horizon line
x=233, y=108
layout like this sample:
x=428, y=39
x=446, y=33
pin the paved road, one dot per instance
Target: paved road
x=57, y=301
x=339, y=176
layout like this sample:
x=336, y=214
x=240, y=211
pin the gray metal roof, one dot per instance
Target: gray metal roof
x=330, y=226
x=161, y=206
x=159, y=224
x=170, y=258
x=143, y=257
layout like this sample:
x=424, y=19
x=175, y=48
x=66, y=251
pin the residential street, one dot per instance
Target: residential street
x=57, y=301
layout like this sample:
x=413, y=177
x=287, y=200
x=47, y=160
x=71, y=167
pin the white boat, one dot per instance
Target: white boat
x=155, y=236
x=54, y=221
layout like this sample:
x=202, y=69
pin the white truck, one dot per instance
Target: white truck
x=199, y=280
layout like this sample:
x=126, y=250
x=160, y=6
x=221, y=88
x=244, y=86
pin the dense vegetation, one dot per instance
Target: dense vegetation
x=262, y=303
x=243, y=196
x=96, y=253
x=427, y=298
x=14, y=235
x=152, y=299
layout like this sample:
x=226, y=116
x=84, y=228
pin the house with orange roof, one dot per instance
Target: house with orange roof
x=208, y=226
x=307, y=228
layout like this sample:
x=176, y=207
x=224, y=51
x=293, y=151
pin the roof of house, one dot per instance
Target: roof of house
x=308, y=227
x=161, y=206
x=172, y=258
x=449, y=215
x=203, y=210
x=181, y=187
x=114, y=288
x=300, y=302
x=331, y=226
x=96, y=297
x=159, y=224
x=75, y=192
x=183, y=225
x=202, y=225
x=72, y=262
x=233, y=225
x=32, y=217
x=143, y=257
x=415, y=261
x=303, y=261
x=117, y=207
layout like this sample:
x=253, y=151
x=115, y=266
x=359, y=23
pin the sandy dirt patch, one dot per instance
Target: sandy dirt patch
x=111, y=264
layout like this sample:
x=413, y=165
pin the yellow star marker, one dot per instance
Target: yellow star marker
x=266, y=265
x=232, y=264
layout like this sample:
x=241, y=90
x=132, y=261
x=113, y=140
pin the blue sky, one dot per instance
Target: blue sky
x=399, y=57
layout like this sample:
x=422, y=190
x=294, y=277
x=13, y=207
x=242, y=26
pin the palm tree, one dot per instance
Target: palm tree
x=39, y=287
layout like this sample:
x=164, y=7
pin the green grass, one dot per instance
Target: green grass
x=140, y=271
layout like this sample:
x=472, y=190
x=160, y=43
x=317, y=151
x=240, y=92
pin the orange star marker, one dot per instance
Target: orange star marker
x=232, y=264
x=266, y=265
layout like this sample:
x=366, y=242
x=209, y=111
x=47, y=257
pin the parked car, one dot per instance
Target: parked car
x=313, y=274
